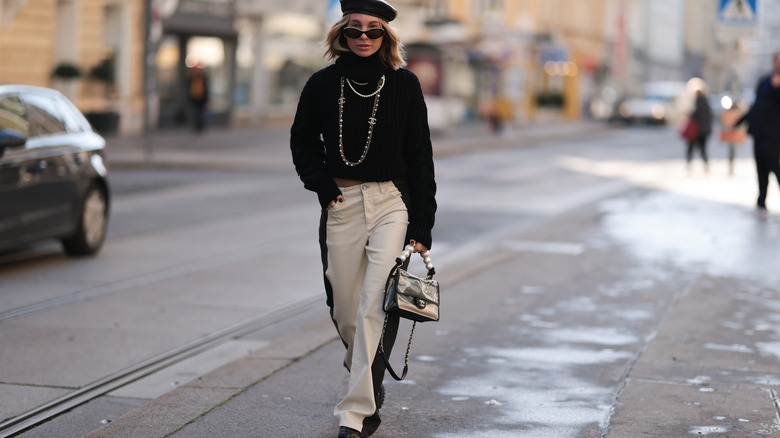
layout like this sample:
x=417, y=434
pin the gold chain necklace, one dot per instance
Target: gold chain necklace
x=381, y=84
x=371, y=120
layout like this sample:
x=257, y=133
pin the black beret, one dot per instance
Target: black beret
x=377, y=8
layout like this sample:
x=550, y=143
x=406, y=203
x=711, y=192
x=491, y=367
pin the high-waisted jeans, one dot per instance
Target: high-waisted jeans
x=360, y=239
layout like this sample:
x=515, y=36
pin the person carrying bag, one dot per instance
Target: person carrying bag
x=360, y=140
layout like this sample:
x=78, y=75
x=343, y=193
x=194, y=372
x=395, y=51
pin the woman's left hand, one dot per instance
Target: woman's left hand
x=418, y=247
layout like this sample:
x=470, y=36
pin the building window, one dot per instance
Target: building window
x=437, y=8
x=486, y=7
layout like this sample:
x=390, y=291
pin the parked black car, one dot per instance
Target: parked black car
x=53, y=176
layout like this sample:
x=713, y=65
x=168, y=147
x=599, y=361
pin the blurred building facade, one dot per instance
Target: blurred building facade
x=506, y=61
x=279, y=47
x=517, y=59
x=187, y=34
x=753, y=53
x=88, y=49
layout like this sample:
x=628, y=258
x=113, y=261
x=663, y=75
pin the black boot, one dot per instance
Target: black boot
x=346, y=432
x=380, y=397
x=371, y=424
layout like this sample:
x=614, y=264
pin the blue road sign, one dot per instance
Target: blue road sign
x=334, y=11
x=740, y=13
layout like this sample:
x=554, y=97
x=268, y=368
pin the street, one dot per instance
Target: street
x=576, y=272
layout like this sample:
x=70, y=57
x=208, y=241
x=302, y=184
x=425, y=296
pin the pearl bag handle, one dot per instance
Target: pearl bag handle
x=408, y=251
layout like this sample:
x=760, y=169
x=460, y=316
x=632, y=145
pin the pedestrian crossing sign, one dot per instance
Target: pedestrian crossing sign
x=737, y=12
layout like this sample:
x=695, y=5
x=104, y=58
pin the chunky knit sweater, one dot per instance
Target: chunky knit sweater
x=400, y=148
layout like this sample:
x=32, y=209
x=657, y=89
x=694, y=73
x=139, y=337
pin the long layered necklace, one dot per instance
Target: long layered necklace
x=371, y=120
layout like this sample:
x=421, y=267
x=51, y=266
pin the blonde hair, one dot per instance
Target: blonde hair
x=391, y=52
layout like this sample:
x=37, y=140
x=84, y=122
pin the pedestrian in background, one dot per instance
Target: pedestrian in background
x=764, y=126
x=361, y=141
x=731, y=135
x=198, y=95
x=702, y=116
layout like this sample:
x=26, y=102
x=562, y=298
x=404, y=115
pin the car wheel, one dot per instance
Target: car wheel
x=91, y=230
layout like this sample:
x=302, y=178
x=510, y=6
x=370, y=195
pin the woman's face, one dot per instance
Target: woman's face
x=364, y=46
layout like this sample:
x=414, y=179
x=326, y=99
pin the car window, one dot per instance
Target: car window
x=68, y=113
x=45, y=115
x=13, y=115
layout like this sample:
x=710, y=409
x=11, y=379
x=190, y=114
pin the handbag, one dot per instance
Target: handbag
x=690, y=130
x=409, y=297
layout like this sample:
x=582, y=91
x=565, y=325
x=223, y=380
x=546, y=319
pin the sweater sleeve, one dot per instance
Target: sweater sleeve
x=418, y=153
x=308, y=148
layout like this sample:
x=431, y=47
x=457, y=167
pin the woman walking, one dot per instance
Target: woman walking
x=360, y=140
x=702, y=115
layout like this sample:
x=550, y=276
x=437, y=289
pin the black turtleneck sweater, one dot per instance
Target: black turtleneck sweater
x=400, y=147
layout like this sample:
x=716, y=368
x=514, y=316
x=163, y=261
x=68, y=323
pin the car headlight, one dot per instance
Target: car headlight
x=98, y=165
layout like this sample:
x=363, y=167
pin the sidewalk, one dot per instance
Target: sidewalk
x=584, y=326
x=263, y=146
x=582, y=339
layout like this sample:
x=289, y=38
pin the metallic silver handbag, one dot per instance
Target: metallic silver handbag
x=409, y=297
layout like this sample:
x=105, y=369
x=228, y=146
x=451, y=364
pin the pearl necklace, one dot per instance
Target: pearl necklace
x=371, y=120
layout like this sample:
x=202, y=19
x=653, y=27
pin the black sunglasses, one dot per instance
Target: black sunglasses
x=355, y=33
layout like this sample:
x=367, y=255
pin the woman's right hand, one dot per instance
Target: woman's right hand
x=332, y=204
x=417, y=247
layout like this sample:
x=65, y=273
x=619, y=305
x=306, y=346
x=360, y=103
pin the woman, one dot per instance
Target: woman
x=702, y=114
x=361, y=141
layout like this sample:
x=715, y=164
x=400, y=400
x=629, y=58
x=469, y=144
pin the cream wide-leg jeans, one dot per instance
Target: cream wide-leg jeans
x=362, y=238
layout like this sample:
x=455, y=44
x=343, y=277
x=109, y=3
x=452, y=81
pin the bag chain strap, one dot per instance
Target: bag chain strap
x=408, y=349
x=431, y=271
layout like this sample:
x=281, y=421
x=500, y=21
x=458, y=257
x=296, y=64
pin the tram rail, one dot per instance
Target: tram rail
x=94, y=390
